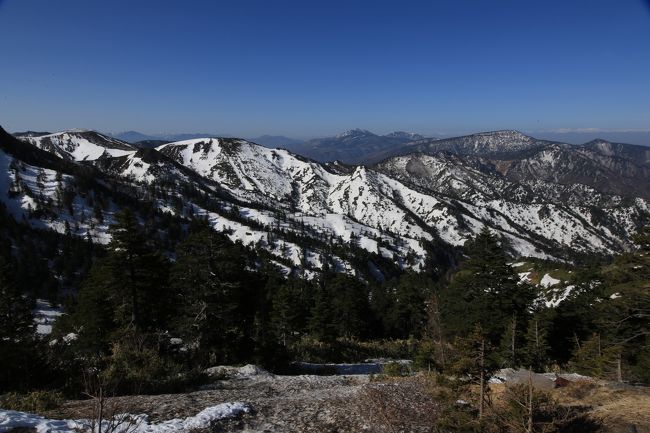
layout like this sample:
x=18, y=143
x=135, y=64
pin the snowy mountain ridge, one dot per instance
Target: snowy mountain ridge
x=81, y=145
x=272, y=198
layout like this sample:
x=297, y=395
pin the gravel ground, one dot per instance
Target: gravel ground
x=279, y=404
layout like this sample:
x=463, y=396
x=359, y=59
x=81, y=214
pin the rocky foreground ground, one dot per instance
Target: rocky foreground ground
x=305, y=403
x=350, y=404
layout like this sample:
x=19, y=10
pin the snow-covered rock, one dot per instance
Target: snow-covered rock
x=248, y=371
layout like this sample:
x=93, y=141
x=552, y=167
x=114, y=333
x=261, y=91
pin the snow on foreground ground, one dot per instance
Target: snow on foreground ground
x=126, y=423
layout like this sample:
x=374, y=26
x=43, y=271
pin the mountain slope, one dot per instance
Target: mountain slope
x=566, y=164
x=497, y=143
x=309, y=216
x=611, y=168
x=418, y=197
x=636, y=153
x=80, y=145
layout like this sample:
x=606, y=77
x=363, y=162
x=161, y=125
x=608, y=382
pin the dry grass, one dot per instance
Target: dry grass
x=399, y=405
x=617, y=406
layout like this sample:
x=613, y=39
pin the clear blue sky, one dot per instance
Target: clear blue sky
x=310, y=68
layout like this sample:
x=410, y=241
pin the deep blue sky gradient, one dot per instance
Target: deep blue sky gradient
x=310, y=68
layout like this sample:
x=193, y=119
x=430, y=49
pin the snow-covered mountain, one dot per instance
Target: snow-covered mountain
x=296, y=208
x=494, y=143
x=443, y=196
x=80, y=145
x=608, y=167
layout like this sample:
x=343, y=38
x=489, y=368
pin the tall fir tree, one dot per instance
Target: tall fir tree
x=126, y=291
x=17, y=340
x=213, y=286
x=485, y=291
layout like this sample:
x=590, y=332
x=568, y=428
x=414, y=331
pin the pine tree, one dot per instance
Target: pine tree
x=212, y=284
x=126, y=291
x=349, y=297
x=536, y=350
x=140, y=275
x=289, y=310
x=322, y=321
x=485, y=290
x=475, y=359
x=16, y=332
x=594, y=357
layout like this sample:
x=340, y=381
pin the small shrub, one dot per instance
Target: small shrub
x=581, y=389
x=393, y=369
x=36, y=402
x=143, y=371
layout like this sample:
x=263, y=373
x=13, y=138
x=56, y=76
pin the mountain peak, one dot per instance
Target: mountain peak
x=405, y=135
x=80, y=144
x=506, y=133
x=597, y=141
x=353, y=133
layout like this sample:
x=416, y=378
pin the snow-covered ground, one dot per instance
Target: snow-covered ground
x=124, y=423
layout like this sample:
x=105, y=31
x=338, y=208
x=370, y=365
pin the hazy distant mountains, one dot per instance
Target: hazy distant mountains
x=579, y=137
x=278, y=141
x=135, y=136
x=359, y=146
x=356, y=146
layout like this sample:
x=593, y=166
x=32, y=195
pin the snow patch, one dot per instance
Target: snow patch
x=10, y=420
x=44, y=316
x=548, y=281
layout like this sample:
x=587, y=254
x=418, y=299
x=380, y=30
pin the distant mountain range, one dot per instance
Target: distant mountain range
x=356, y=146
x=134, y=136
x=352, y=147
x=578, y=137
x=359, y=146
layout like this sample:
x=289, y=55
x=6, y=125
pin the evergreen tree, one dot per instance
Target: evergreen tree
x=535, y=353
x=17, y=341
x=322, y=321
x=126, y=291
x=141, y=274
x=213, y=287
x=594, y=357
x=475, y=359
x=408, y=315
x=351, y=307
x=485, y=290
x=289, y=309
